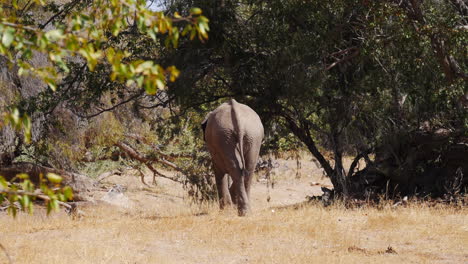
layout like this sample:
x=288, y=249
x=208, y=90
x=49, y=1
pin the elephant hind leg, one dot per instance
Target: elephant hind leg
x=223, y=189
x=233, y=166
x=242, y=199
x=233, y=193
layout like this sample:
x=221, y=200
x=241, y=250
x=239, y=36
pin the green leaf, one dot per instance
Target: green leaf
x=27, y=128
x=52, y=205
x=54, y=178
x=150, y=88
x=143, y=66
x=193, y=33
x=195, y=11
x=54, y=34
x=12, y=211
x=8, y=36
x=26, y=203
x=22, y=176
x=3, y=183
x=15, y=117
x=51, y=83
x=68, y=192
x=160, y=84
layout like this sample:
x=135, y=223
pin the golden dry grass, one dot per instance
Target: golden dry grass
x=310, y=234
x=161, y=226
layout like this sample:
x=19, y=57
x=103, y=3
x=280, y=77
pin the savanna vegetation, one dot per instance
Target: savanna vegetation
x=374, y=91
x=115, y=83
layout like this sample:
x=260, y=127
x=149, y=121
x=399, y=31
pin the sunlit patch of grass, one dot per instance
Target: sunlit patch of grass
x=203, y=234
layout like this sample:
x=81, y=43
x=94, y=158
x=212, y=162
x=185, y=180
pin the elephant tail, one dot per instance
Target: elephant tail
x=240, y=132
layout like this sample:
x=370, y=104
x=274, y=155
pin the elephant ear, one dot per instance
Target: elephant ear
x=203, y=124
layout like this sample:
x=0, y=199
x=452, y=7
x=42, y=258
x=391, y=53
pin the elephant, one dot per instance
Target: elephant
x=233, y=133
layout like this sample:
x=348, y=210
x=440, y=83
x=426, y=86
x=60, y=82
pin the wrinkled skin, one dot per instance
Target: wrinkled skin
x=233, y=133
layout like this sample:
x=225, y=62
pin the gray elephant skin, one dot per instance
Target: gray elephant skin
x=233, y=133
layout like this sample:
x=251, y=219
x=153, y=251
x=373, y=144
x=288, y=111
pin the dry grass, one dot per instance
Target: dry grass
x=161, y=226
x=310, y=234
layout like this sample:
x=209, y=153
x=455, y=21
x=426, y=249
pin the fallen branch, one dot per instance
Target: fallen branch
x=141, y=158
x=107, y=174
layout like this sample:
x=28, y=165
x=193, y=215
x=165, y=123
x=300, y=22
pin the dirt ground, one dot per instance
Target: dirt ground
x=159, y=224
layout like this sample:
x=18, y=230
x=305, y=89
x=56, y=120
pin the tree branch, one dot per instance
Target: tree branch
x=449, y=65
x=344, y=59
x=137, y=156
x=131, y=98
x=66, y=8
x=356, y=161
x=37, y=195
x=156, y=148
x=304, y=135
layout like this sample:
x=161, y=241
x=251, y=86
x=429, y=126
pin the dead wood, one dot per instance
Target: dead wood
x=107, y=174
x=421, y=163
x=134, y=154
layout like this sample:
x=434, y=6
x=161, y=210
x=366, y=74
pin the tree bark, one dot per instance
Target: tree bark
x=339, y=179
x=304, y=135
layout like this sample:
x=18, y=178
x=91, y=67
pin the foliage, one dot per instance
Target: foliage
x=24, y=192
x=343, y=75
x=18, y=122
x=339, y=77
x=84, y=30
x=81, y=35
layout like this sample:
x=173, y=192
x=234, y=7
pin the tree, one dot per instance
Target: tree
x=343, y=76
x=76, y=36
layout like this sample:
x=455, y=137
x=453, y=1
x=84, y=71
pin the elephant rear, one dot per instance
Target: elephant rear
x=233, y=135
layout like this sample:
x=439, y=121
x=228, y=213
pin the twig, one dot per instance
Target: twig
x=131, y=98
x=66, y=7
x=347, y=58
x=37, y=195
x=19, y=26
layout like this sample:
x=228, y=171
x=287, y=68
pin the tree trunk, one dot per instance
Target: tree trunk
x=337, y=174
x=338, y=178
x=304, y=135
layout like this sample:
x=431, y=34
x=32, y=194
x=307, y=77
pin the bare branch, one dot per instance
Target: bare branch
x=356, y=161
x=141, y=158
x=347, y=58
x=131, y=98
x=66, y=8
